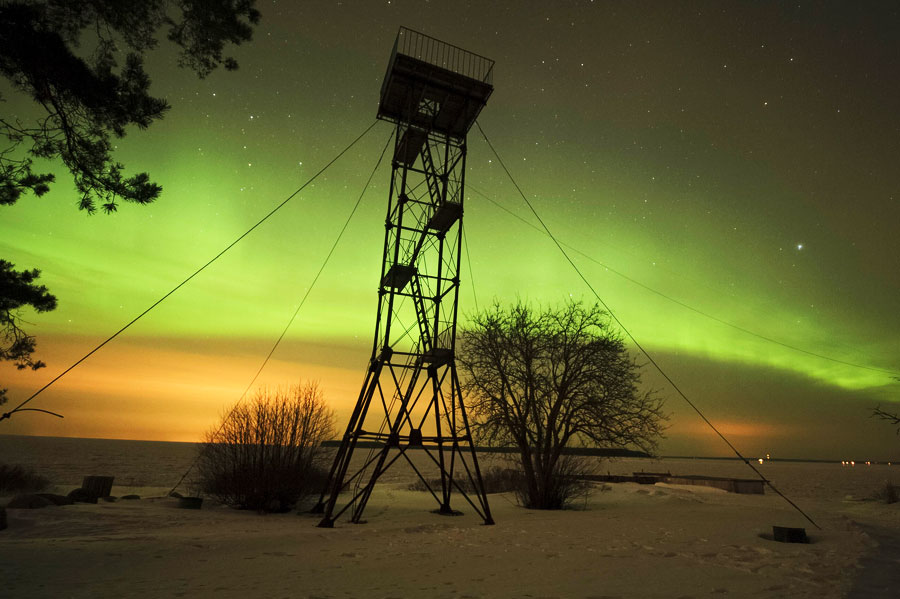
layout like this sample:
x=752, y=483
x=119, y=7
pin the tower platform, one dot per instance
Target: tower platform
x=434, y=85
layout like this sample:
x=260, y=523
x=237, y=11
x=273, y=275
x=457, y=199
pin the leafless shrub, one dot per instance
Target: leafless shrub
x=496, y=480
x=19, y=479
x=266, y=454
x=563, y=488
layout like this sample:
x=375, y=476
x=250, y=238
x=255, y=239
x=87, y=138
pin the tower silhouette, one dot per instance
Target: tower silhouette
x=410, y=398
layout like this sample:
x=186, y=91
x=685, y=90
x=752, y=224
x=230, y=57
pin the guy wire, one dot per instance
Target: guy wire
x=296, y=312
x=194, y=274
x=630, y=336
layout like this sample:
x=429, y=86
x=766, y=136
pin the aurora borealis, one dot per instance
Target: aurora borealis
x=739, y=158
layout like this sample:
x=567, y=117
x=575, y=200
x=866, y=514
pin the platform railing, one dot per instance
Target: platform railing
x=434, y=51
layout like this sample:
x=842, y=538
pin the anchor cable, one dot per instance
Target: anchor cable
x=681, y=303
x=297, y=311
x=471, y=272
x=632, y=338
x=194, y=274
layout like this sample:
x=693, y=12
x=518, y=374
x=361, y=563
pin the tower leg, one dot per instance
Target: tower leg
x=479, y=481
x=342, y=458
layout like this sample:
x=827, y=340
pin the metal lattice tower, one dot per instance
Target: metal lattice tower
x=410, y=398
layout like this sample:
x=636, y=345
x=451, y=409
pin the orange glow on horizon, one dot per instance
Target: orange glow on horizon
x=140, y=389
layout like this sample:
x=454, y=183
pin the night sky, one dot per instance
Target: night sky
x=737, y=162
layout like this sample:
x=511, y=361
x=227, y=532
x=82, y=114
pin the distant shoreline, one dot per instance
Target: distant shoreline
x=589, y=451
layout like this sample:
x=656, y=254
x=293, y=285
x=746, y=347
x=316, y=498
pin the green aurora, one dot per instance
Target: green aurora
x=737, y=159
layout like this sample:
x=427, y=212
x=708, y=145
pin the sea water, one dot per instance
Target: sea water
x=66, y=461
x=160, y=465
x=143, y=465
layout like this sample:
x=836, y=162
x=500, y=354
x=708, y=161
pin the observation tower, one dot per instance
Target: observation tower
x=410, y=407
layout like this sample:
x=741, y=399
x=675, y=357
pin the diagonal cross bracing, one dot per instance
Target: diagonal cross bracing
x=410, y=404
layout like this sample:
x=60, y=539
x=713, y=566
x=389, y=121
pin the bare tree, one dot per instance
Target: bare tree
x=545, y=381
x=892, y=417
x=266, y=452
